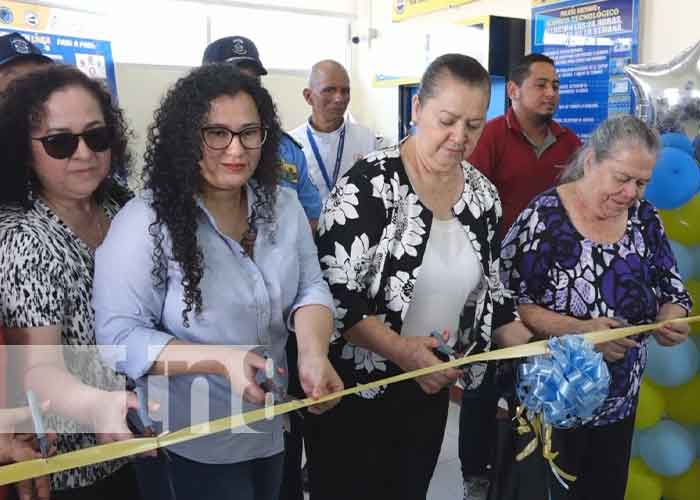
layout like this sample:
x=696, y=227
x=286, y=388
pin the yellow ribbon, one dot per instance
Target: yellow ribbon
x=551, y=455
x=525, y=427
x=88, y=456
x=541, y=433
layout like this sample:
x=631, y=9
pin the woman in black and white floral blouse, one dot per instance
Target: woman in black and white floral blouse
x=407, y=245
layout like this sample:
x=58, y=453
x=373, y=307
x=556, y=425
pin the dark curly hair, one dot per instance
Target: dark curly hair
x=173, y=175
x=22, y=110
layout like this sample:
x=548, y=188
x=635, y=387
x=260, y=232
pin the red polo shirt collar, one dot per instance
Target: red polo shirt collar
x=514, y=124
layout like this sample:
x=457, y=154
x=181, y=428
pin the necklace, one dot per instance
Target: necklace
x=248, y=240
x=82, y=231
x=250, y=234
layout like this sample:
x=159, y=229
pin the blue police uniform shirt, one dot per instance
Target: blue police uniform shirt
x=295, y=174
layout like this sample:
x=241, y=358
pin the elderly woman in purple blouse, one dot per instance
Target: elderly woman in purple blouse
x=592, y=254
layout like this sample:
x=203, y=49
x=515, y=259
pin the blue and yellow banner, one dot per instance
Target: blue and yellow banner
x=64, y=35
x=24, y=16
x=406, y=9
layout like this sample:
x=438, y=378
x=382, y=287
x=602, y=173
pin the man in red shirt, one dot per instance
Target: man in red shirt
x=522, y=153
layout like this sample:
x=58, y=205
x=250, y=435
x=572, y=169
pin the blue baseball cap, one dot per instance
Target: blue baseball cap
x=14, y=47
x=234, y=50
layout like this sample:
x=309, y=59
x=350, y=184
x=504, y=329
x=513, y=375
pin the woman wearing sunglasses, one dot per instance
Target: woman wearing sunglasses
x=213, y=259
x=62, y=142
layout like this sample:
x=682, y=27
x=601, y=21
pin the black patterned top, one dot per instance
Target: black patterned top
x=46, y=276
x=547, y=262
x=372, y=234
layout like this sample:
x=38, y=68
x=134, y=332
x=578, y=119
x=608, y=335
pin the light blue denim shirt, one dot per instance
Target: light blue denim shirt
x=244, y=302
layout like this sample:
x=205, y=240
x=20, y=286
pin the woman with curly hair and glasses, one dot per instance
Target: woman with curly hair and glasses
x=213, y=259
x=62, y=142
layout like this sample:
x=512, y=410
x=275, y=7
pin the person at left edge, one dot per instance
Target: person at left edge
x=62, y=142
x=18, y=56
x=242, y=53
x=212, y=258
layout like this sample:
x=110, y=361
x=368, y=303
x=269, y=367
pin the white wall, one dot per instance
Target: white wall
x=142, y=86
x=378, y=107
x=666, y=28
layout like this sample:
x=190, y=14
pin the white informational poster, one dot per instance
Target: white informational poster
x=402, y=51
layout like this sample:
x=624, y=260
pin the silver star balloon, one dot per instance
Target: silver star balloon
x=668, y=95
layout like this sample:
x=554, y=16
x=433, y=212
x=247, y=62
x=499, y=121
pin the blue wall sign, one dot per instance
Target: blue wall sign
x=591, y=43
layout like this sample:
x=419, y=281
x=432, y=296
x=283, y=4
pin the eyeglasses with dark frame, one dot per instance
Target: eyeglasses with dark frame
x=219, y=138
x=63, y=145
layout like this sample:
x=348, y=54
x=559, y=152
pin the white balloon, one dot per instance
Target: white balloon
x=668, y=95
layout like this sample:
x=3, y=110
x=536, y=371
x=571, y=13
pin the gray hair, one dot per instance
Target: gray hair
x=610, y=136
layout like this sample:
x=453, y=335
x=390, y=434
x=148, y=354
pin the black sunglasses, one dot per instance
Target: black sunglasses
x=63, y=145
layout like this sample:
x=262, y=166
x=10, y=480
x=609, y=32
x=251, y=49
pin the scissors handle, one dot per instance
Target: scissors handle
x=143, y=408
x=38, y=420
x=443, y=347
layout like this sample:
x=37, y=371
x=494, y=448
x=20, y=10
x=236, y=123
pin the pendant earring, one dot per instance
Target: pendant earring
x=248, y=241
x=30, y=190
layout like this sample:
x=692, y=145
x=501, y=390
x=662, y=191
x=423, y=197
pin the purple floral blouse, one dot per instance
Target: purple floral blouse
x=547, y=262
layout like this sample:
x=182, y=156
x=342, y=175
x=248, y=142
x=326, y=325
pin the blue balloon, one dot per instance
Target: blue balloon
x=684, y=259
x=674, y=365
x=668, y=448
x=675, y=180
x=678, y=141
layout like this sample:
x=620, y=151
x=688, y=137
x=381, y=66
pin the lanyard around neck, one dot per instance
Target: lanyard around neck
x=319, y=160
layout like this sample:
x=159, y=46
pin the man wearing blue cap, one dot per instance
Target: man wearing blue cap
x=242, y=53
x=18, y=56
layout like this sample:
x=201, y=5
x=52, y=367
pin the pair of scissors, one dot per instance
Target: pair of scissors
x=141, y=424
x=448, y=351
x=38, y=421
x=139, y=421
x=273, y=384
